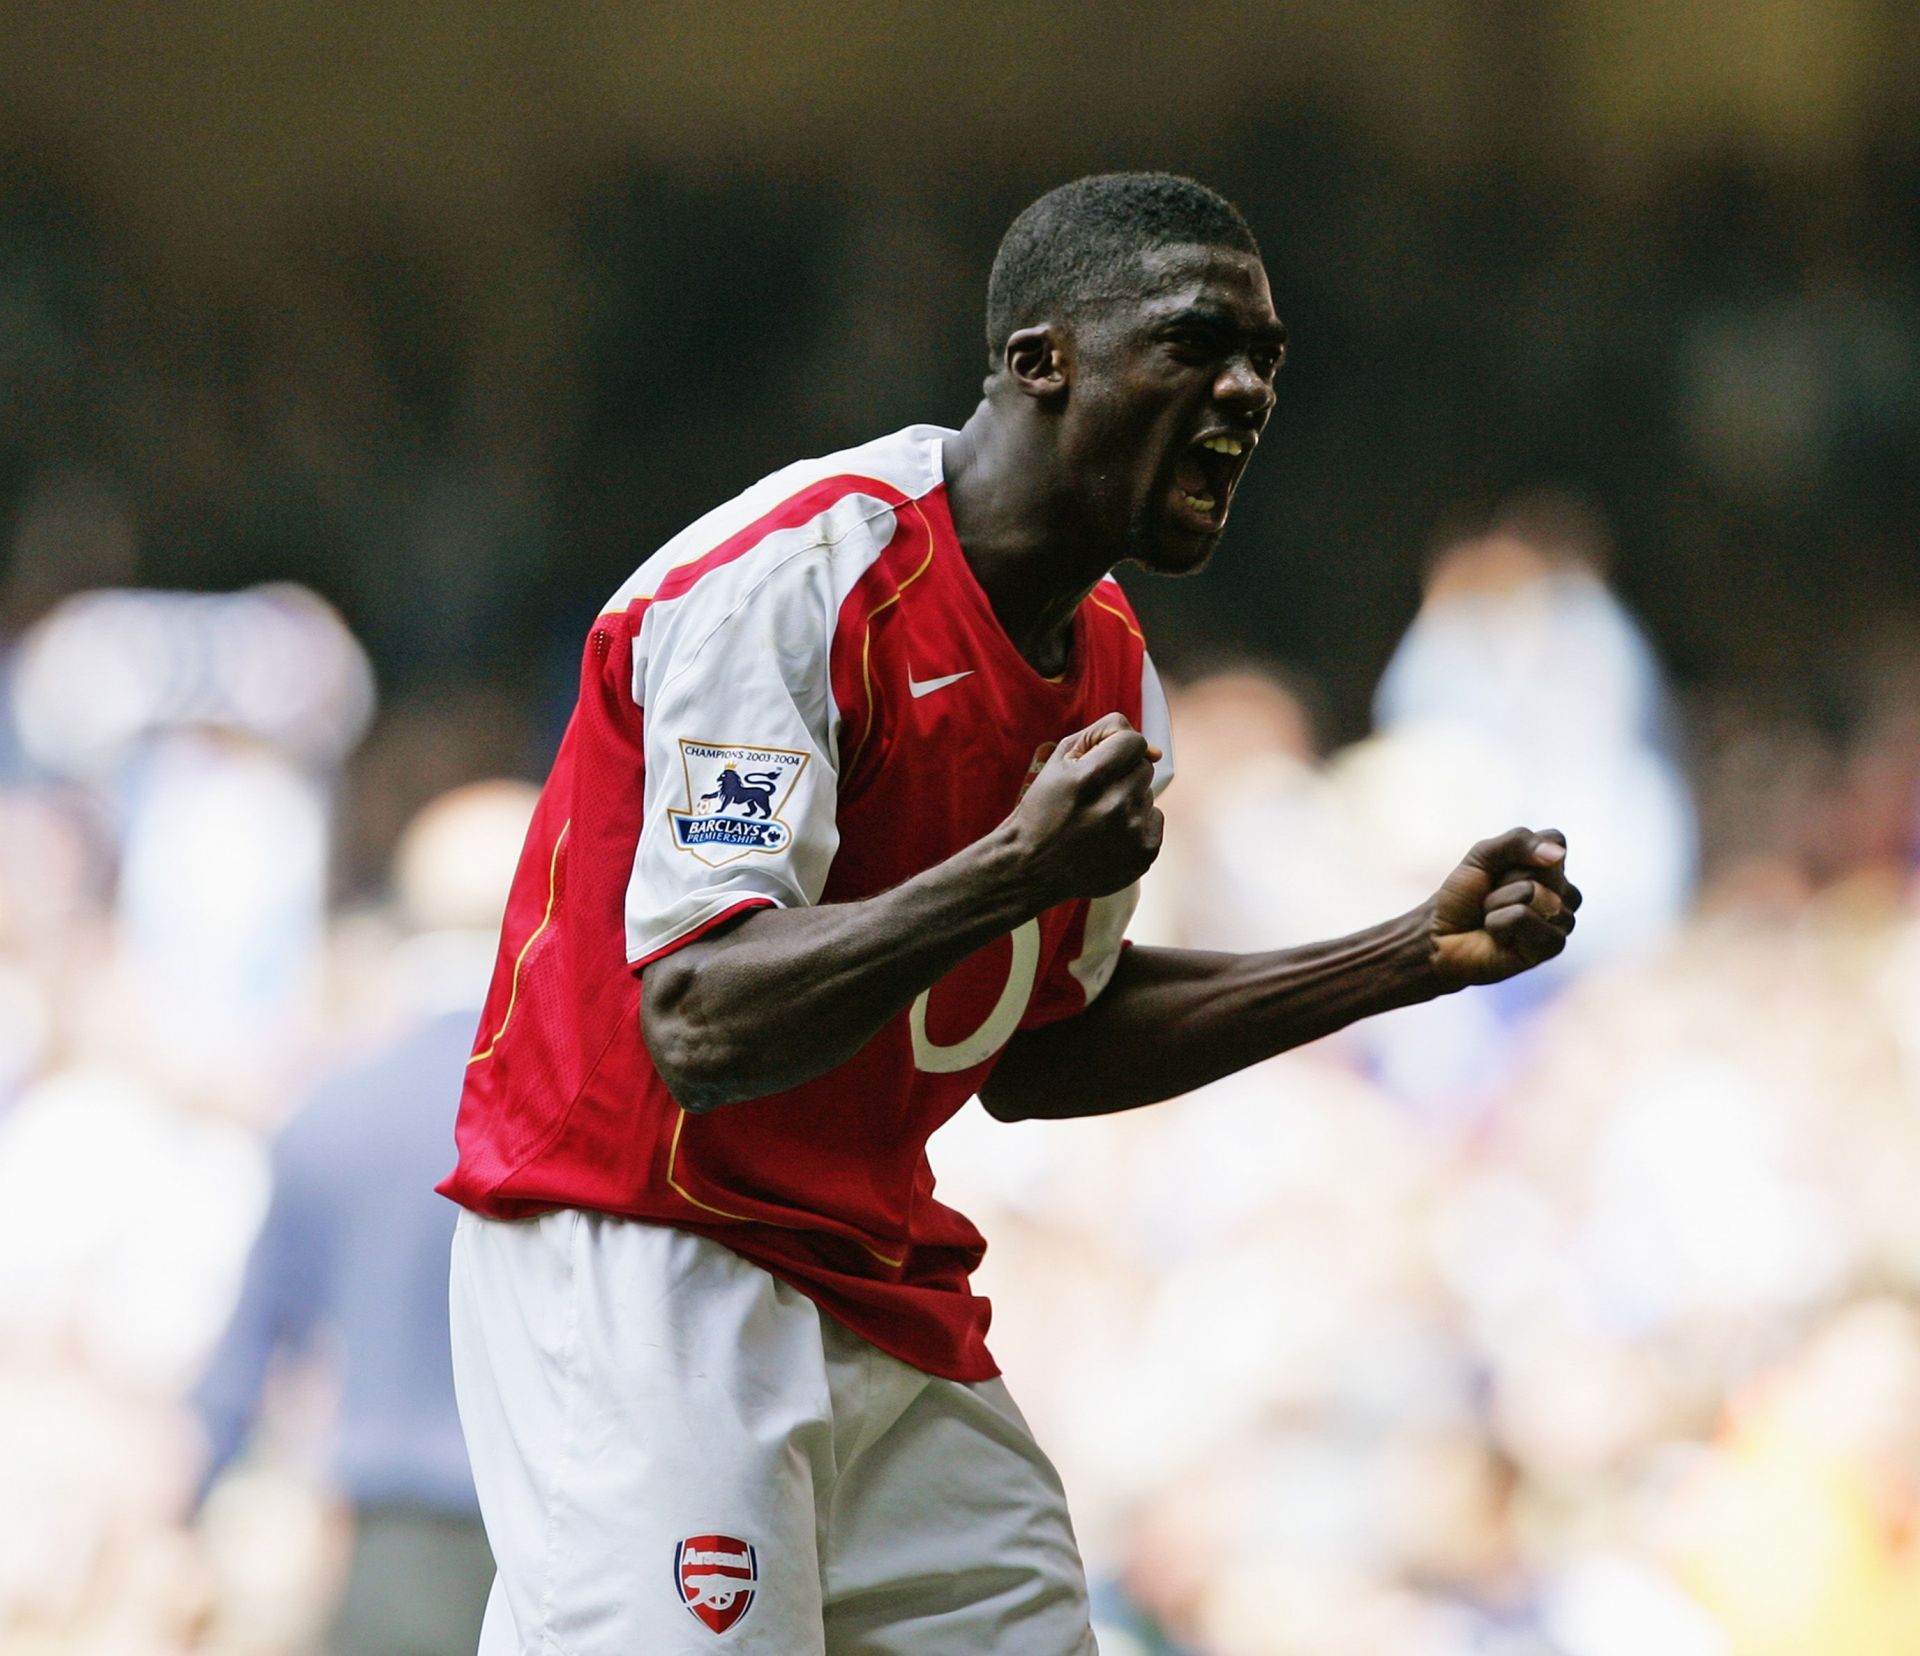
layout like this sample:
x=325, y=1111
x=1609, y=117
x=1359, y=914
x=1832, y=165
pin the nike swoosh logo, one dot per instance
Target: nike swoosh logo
x=926, y=687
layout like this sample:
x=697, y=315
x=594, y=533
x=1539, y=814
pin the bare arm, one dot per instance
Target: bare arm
x=785, y=995
x=1172, y=1020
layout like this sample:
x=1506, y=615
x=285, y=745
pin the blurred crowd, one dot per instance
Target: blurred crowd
x=1576, y=1318
x=1579, y=1317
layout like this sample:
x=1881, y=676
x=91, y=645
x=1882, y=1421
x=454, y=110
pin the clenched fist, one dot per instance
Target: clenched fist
x=1506, y=908
x=1087, y=825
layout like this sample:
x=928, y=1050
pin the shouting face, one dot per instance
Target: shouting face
x=1170, y=388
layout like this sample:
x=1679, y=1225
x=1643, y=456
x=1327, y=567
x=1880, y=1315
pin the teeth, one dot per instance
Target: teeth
x=1223, y=445
x=1200, y=503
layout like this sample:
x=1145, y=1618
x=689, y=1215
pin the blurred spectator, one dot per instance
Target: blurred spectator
x=1259, y=847
x=209, y=726
x=350, y=1265
x=1522, y=692
x=1521, y=649
x=74, y=533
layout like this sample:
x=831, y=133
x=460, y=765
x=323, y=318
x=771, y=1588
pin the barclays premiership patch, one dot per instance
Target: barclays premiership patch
x=734, y=797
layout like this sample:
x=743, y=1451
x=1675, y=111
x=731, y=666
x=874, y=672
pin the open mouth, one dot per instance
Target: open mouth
x=1204, y=481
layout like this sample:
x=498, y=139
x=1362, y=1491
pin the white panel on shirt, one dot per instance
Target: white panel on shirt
x=908, y=459
x=734, y=681
x=1107, y=917
x=1156, y=723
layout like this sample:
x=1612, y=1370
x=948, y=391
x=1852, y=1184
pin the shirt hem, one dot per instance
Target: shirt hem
x=699, y=928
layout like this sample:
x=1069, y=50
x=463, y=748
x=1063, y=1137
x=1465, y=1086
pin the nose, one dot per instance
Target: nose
x=1245, y=390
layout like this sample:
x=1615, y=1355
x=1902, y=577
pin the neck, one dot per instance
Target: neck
x=1015, y=518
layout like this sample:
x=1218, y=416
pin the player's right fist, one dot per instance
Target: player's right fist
x=1087, y=825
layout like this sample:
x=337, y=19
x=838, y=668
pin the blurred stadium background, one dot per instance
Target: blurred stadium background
x=350, y=355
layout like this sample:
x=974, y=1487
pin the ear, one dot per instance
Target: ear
x=1037, y=360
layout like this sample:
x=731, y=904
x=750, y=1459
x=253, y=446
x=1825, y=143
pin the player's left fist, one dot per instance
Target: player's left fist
x=1506, y=908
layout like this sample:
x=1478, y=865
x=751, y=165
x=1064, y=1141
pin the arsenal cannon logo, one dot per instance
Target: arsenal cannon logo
x=716, y=1576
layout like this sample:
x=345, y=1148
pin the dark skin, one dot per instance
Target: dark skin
x=1084, y=453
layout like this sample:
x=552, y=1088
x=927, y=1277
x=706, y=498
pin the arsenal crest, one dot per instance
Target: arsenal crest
x=716, y=1576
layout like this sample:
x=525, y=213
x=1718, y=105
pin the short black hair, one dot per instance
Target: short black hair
x=1082, y=242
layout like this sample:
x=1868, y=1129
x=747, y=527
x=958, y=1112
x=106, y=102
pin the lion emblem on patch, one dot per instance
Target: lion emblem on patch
x=734, y=793
x=752, y=793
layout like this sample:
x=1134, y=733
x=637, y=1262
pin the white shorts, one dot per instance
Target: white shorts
x=675, y=1452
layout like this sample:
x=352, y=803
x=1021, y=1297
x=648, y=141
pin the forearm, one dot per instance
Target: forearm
x=1174, y=1019
x=789, y=994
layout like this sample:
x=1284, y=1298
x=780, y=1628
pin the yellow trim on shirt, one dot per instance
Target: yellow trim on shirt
x=866, y=642
x=513, y=995
x=673, y=1157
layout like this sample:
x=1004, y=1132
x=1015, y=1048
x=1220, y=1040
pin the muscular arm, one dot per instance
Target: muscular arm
x=788, y=994
x=1172, y=1020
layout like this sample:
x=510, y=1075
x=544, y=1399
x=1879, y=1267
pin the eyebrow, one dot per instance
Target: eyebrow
x=1206, y=316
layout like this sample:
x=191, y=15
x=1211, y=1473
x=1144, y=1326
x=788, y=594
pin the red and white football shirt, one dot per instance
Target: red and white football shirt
x=805, y=697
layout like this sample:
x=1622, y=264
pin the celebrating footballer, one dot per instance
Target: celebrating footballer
x=845, y=831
